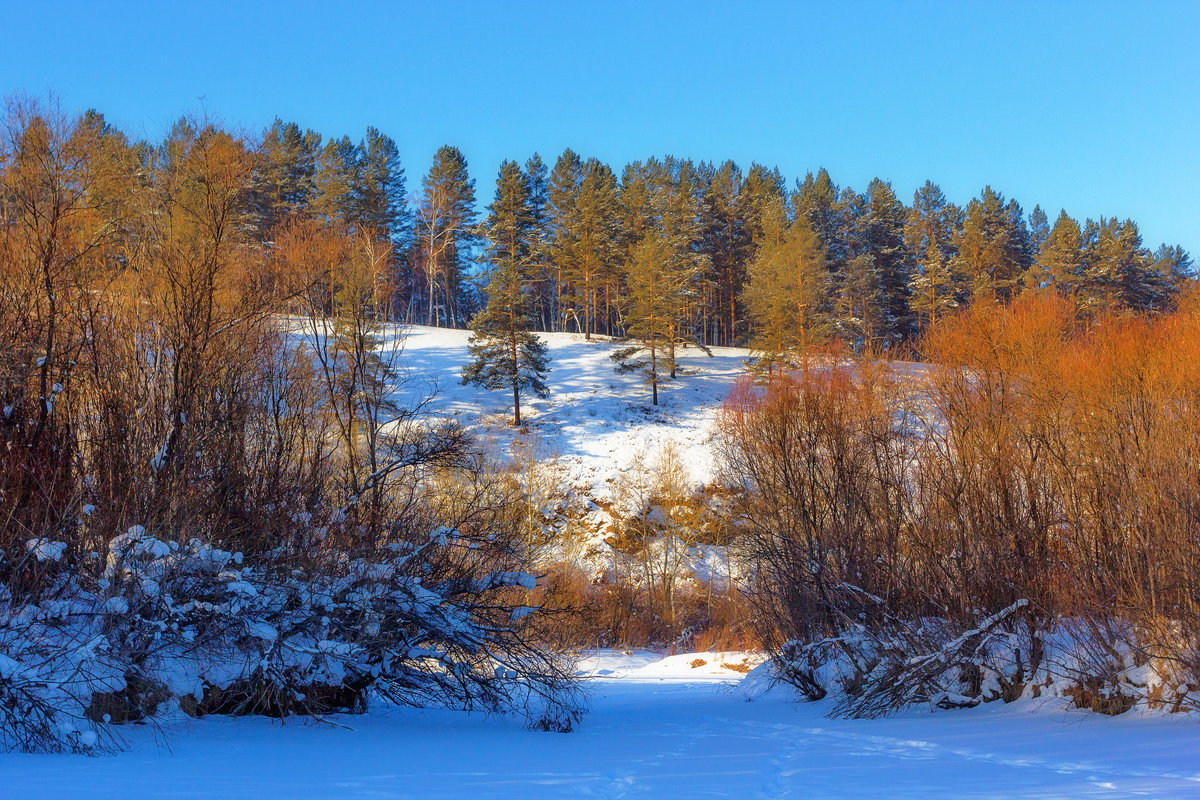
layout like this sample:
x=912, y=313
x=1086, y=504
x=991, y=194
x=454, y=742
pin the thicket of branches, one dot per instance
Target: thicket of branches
x=1019, y=520
x=206, y=504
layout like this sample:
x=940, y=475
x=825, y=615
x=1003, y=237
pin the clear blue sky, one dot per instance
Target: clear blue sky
x=1093, y=106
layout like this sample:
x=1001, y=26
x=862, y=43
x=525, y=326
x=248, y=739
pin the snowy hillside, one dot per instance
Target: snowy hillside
x=595, y=421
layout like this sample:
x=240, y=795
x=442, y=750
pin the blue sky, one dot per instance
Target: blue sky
x=1093, y=106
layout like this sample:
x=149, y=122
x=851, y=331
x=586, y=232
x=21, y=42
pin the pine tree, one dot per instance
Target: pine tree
x=446, y=235
x=651, y=313
x=541, y=271
x=818, y=200
x=760, y=192
x=786, y=290
x=592, y=265
x=929, y=235
x=1117, y=270
x=380, y=205
x=830, y=214
x=1174, y=267
x=506, y=353
x=380, y=202
x=1022, y=249
x=286, y=180
x=859, y=308
x=681, y=226
x=731, y=223
x=562, y=212
x=640, y=202
x=993, y=246
x=1039, y=229
x=336, y=179
x=726, y=243
x=1060, y=257
x=874, y=300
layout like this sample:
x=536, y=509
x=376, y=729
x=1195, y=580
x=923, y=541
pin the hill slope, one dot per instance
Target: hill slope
x=596, y=422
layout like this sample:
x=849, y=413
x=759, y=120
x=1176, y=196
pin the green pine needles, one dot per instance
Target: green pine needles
x=505, y=352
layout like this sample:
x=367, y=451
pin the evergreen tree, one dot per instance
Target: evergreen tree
x=830, y=214
x=381, y=205
x=664, y=198
x=993, y=246
x=929, y=235
x=760, y=192
x=541, y=271
x=1117, y=269
x=592, y=267
x=446, y=236
x=286, y=179
x=380, y=202
x=819, y=202
x=562, y=212
x=651, y=313
x=506, y=353
x=336, y=179
x=726, y=242
x=1174, y=267
x=640, y=200
x=681, y=226
x=1022, y=249
x=1060, y=257
x=786, y=290
x=859, y=309
x=732, y=209
x=874, y=301
x=1039, y=229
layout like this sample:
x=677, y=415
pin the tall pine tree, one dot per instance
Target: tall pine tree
x=285, y=181
x=541, y=271
x=786, y=291
x=651, y=321
x=445, y=236
x=993, y=246
x=506, y=353
x=592, y=263
x=873, y=303
x=1060, y=258
x=929, y=235
x=562, y=213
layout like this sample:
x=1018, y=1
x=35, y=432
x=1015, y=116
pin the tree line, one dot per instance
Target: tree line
x=715, y=241
x=672, y=252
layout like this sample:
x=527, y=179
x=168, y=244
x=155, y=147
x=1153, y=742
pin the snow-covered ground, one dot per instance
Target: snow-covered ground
x=595, y=422
x=657, y=730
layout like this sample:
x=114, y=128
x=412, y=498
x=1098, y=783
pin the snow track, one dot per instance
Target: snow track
x=656, y=730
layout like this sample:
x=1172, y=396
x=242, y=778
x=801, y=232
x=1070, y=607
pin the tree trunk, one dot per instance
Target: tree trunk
x=654, y=375
x=516, y=381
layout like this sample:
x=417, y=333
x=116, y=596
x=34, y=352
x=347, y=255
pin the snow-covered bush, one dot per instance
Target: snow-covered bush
x=53, y=661
x=1104, y=666
x=169, y=624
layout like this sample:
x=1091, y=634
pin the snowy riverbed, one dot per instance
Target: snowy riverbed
x=658, y=728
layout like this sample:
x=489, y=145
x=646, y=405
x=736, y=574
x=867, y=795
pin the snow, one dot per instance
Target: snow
x=46, y=550
x=647, y=665
x=596, y=422
x=654, y=731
